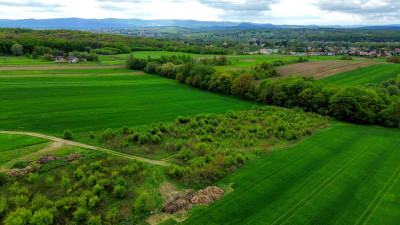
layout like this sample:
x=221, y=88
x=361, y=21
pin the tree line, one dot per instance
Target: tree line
x=69, y=41
x=362, y=105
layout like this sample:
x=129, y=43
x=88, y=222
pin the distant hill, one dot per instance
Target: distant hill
x=83, y=24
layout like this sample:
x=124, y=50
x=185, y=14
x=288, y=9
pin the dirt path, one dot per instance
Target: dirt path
x=73, y=143
x=12, y=68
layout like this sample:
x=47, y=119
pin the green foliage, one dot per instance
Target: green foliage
x=19, y=165
x=20, y=201
x=119, y=191
x=3, y=177
x=112, y=217
x=97, y=189
x=32, y=177
x=67, y=135
x=142, y=203
x=107, y=135
x=49, y=181
x=19, y=217
x=34, y=55
x=16, y=49
x=3, y=207
x=94, y=220
x=42, y=217
x=40, y=201
x=80, y=215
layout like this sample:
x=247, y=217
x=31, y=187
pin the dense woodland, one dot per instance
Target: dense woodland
x=64, y=41
x=362, y=105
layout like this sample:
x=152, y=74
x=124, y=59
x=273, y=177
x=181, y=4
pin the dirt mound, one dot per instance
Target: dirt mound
x=73, y=157
x=47, y=158
x=213, y=192
x=204, y=197
x=43, y=160
x=19, y=172
x=201, y=199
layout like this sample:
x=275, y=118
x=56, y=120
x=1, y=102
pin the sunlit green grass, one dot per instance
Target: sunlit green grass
x=87, y=103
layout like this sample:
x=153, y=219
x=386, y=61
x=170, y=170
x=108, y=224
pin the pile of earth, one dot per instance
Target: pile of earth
x=42, y=161
x=203, y=197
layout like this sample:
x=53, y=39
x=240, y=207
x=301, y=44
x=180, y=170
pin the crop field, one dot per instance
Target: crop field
x=371, y=74
x=348, y=174
x=80, y=100
x=322, y=69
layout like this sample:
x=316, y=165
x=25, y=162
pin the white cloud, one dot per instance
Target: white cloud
x=320, y=12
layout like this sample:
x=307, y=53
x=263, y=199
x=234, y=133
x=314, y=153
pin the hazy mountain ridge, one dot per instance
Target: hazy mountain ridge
x=82, y=24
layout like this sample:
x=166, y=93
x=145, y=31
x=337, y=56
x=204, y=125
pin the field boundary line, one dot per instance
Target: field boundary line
x=379, y=197
x=73, y=143
x=303, y=202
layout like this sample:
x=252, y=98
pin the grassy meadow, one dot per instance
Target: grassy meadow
x=371, y=74
x=88, y=102
x=348, y=174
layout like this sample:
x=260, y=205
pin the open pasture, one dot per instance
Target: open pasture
x=371, y=74
x=81, y=103
x=322, y=69
x=348, y=174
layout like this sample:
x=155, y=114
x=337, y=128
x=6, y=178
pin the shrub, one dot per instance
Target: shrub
x=96, y=165
x=126, y=130
x=19, y=165
x=20, y=201
x=107, y=135
x=132, y=138
x=3, y=207
x=143, y=139
x=393, y=90
x=3, y=178
x=121, y=181
x=32, y=177
x=40, y=201
x=183, y=120
x=93, y=201
x=155, y=139
x=80, y=214
x=94, y=220
x=67, y=135
x=112, y=217
x=48, y=57
x=35, y=167
x=65, y=181
x=130, y=170
x=20, y=216
x=42, y=217
x=119, y=191
x=97, y=189
x=142, y=203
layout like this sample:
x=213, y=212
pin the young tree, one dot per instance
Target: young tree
x=42, y=217
x=34, y=55
x=243, y=84
x=67, y=135
x=142, y=203
x=17, y=49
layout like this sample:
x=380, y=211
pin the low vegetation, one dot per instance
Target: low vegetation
x=206, y=147
x=95, y=189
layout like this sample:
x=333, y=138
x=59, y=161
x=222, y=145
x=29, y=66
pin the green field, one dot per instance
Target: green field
x=348, y=174
x=87, y=103
x=14, y=146
x=371, y=74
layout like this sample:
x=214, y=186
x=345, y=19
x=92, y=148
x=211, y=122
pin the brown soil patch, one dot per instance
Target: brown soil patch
x=59, y=67
x=203, y=197
x=249, y=60
x=322, y=69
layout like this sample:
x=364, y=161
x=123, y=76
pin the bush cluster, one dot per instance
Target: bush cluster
x=208, y=146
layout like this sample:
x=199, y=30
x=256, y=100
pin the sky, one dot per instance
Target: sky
x=294, y=12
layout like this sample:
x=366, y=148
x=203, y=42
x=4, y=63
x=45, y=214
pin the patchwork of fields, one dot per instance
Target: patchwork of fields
x=348, y=174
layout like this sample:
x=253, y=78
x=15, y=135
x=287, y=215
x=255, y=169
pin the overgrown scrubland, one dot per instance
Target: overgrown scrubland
x=206, y=147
